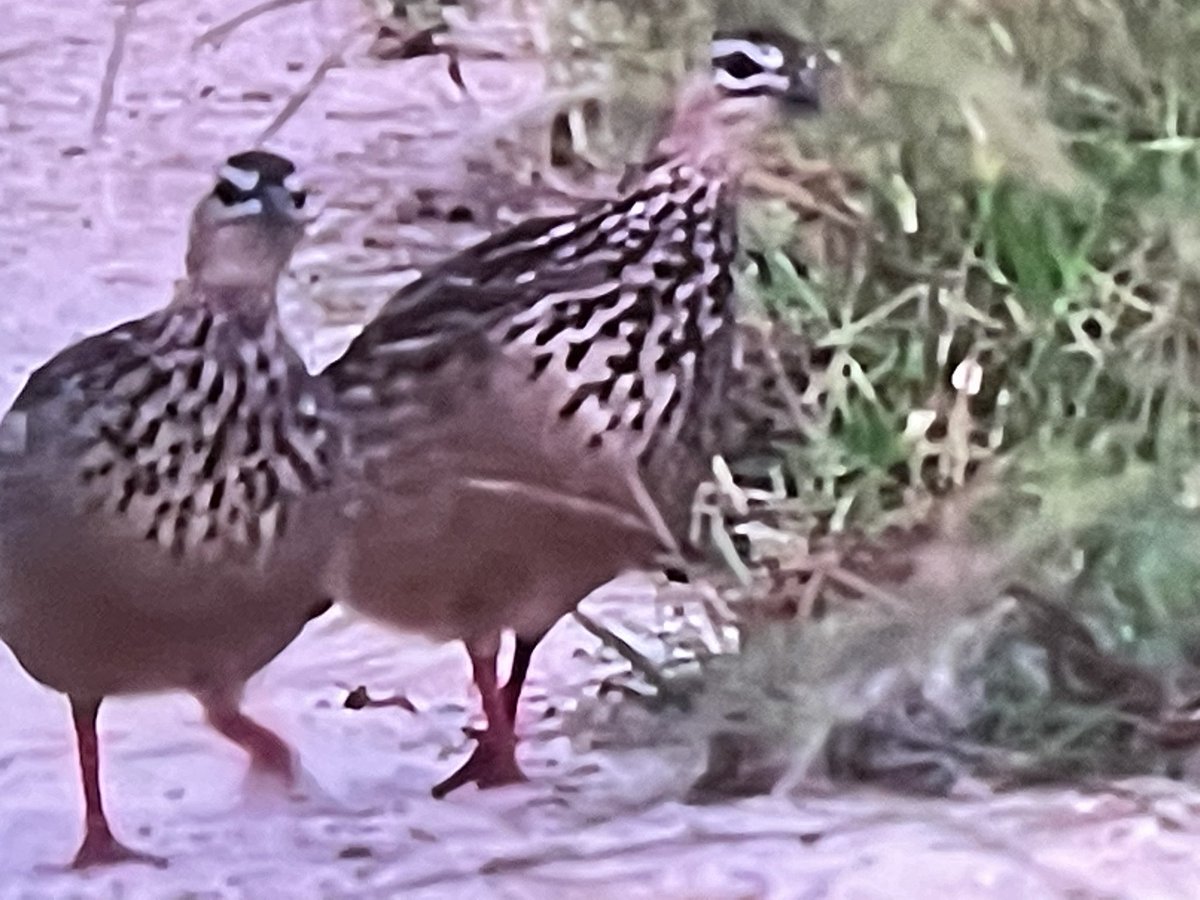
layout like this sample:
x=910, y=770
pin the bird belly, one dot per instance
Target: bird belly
x=462, y=558
x=90, y=610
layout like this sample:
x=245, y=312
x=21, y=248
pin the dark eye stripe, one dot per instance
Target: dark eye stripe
x=739, y=65
x=230, y=194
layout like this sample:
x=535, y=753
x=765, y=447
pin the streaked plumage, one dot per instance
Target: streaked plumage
x=163, y=502
x=533, y=416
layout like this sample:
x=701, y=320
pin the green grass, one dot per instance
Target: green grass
x=979, y=551
x=988, y=244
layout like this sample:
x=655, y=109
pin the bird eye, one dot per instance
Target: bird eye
x=299, y=198
x=739, y=65
x=228, y=193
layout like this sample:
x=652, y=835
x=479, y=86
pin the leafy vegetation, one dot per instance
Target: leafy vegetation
x=994, y=266
x=974, y=547
x=971, y=543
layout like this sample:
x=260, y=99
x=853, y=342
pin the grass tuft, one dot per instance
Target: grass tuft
x=969, y=544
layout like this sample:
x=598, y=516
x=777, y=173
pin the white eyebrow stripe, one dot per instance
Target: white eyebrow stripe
x=251, y=207
x=293, y=183
x=769, y=80
x=242, y=179
x=765, y=55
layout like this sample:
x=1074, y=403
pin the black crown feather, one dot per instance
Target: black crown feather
x=796, y=66
x=270, y=167
x=245, y=174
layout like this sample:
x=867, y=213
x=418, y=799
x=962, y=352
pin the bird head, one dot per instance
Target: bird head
x=775, y=65
x=752, y=74
x=244, y=231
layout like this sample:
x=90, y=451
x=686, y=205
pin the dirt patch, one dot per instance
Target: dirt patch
x=113, y=118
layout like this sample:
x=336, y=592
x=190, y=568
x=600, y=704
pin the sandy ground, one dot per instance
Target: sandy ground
x=101, y=161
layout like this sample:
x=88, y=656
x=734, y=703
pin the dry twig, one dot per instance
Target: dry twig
x=21, y=50
x=334, y=60
x=116, y=55
x=628, y=652
x=216, y=35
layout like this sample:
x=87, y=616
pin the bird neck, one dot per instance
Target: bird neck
x=706, y=133
x=252, y=304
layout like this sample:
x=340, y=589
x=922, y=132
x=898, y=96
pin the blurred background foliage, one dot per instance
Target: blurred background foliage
x=961, y=535
x=999, y=290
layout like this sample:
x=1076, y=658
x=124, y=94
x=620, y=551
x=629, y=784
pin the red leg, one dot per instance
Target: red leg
x=99, y=847
x=522, y=654
x=494, y=761
x=269, y=754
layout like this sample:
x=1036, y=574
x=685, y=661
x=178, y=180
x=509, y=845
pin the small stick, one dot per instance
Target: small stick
x=790, y=398
x=216, y=35
x=568, y=502
x=20, y=50
x=628, y=652
x=333, y=61
x=864, y=587
x=115, y=56
x=360, y=699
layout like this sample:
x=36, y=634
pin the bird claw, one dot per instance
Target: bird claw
x=492, y=764
x=274, y=763
x=100, y=848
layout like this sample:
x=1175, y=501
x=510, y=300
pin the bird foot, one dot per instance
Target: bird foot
x=273, y=778
x=274, y=762
x=100, y=848
x=492, y=764
x=271, y=759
